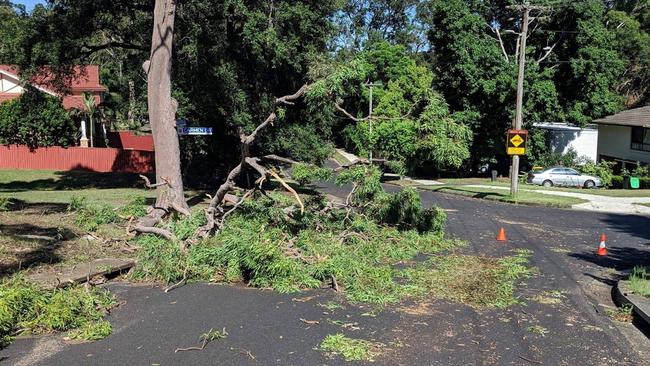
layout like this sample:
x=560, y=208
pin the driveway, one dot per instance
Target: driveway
x=265, y=328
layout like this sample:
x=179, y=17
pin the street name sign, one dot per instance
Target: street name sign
x=195, y=131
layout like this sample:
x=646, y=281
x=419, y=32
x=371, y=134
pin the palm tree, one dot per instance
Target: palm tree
x=91, y=111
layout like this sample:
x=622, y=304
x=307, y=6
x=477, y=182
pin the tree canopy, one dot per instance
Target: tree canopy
x=447, y=70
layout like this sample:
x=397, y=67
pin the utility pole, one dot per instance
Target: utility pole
x=518, y=122
x=371, y=85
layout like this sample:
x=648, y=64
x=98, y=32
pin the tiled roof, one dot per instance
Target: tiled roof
x=631, y=117
x=86, y=78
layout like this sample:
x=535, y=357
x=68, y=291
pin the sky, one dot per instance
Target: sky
x=29, y=4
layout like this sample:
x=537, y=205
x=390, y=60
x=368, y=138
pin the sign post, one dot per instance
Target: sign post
x=515, y=146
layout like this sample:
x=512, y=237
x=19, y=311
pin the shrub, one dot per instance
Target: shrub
x=36, y=119
x=603, y=170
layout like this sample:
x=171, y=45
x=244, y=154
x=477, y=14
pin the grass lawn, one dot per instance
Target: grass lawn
x=639, y=281
x=37, y=231
x=524, y=197
x=504, y=182
x=46, y=186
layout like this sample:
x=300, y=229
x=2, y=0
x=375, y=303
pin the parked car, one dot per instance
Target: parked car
x=562, y=176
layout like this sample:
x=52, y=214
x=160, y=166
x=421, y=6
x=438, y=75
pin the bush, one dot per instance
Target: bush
x=617, y=182
x=36, y=119
x=603, y=170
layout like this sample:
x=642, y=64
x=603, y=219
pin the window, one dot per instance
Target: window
x=640, y=139
x=571, y=172
x=558, y=171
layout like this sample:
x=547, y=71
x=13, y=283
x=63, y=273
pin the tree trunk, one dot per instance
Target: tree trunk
x=162, y=112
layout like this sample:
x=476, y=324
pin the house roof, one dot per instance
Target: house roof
x=631, y=117
x=85, y=78
x=563, y=126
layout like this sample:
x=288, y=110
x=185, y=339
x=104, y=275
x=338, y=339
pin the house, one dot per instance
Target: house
x=625, y=137
x=563, y=137
x=84, y=80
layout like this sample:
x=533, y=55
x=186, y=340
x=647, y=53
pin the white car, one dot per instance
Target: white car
x=562, y=176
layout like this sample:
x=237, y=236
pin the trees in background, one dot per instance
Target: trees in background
x=456, y=61
x=410, y=125
x=36, y=119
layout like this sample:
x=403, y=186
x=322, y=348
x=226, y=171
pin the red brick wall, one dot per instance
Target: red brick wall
x=59, y=158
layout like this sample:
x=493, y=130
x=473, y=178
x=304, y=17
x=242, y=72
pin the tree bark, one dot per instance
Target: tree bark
x=162, y=112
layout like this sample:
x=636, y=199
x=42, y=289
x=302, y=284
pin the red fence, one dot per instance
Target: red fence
x=59, y=158
x=129, y=140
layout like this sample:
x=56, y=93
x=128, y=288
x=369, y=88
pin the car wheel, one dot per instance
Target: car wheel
x=590, y=184
x=547, y=183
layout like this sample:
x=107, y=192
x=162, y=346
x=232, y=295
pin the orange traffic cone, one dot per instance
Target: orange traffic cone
x=502, y=235
x=602, y=247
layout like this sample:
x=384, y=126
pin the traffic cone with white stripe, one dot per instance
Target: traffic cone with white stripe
x=602, y=247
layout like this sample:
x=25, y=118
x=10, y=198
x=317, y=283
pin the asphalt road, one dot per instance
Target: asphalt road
x=265, y=328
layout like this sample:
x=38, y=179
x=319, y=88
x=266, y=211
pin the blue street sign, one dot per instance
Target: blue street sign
x=181, y=123
x=195, y=131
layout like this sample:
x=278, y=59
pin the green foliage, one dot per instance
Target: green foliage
x=639, y=281
x=158, y=259
x=92, y=331
x=136, y=207
x=412, y=123
x=6, y=203
x=350, y=348
x=404, y=210
x=35, y=119
x=602, y=170
x=262, y=246
x=25, y=308
x=90, y=217
x=305, y=174
x=366, y=182
x=77, y=203
x=641, y=170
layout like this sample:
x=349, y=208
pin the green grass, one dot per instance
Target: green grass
x=350, y=349
x=504, y=182
x=639, y=281
x=342, y=160
x=45, y=186
x=524, y=197
x=646, y=204
x=538, y=329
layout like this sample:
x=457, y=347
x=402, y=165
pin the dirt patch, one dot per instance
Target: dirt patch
x=36, y=240
x=419, y=309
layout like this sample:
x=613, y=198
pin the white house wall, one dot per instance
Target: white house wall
x=9, y=85
x=615, y=141
x=583, y=142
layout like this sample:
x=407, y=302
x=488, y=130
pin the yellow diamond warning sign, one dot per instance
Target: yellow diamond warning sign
x=517, y=142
